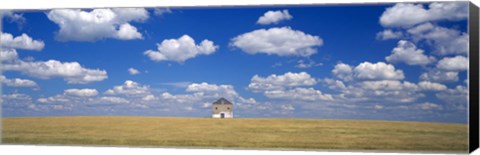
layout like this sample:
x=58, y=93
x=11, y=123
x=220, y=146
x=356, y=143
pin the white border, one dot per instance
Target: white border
x=77, y=150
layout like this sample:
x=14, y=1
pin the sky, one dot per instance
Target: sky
x=403, y=62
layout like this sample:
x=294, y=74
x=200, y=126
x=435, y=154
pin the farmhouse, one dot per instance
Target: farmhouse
x=222, y=108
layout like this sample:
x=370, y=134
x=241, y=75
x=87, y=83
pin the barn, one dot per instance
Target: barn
x=222, y=108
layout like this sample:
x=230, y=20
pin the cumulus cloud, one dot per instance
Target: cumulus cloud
x=428, y=106
x=377, y=71
x=439, y=76
x=72, y=72
x=17, y=82
x=303, y=64
x=408, y=53
x=444, y=41
x=20, y=42
x=81, y=92
x=393, y=91
x=274, y=17
x=343, y=71
x=367, y=71
x=304, y=94
x=181, y=49
x=8, y=55
x=12, y=16
x=334, y=84
x=133, y=71
x=457, y=63
x=129, y=88
x=278, y=41
x=407, y=14
x=161, y=11
x=374, y=82
x=17, y=101
x=110, y=99
x=388, y=85
x=289, y=86
x=427, y=85
x=278, y=82
x=456, y=98
x=128, y=32
x=389, y=34
x=150, y=98
x=55, y=99
x=97, y=24
x=214, y=90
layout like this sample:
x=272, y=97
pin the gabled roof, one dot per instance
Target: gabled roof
x=222, y=101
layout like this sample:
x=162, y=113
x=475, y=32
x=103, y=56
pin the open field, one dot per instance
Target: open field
x=237, y=133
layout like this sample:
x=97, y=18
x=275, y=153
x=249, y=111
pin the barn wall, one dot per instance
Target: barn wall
x=227, y=115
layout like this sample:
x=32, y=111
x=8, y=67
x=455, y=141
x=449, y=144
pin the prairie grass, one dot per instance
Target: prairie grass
x=236, y=133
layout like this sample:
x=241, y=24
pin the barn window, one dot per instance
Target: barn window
x=228, y=108
x=216, y=108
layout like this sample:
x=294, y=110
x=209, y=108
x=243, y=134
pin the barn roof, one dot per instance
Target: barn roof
x=222, y=101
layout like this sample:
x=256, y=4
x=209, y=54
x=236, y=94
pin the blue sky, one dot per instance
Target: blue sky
x=342, y=62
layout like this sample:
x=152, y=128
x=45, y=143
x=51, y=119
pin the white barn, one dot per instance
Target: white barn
x=222, y=108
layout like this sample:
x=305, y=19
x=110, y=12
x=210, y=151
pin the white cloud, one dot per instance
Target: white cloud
x=128, y=32
x=72, y=72
x=97, y=24
x=377, y=71
x=278, y=41
x=302, y=64
x=428, y=106
x=110, y=99
x=183, y=84
x=181, y=98
x=150, y=98
x=370, y=83
x=389, y=34
x=456, y=98
x=334, y=84
x=407, y=14
x=393, y=91
x=457, y=63
x=216, y=91
x=288, y=86
x=378, y=107
x=444, y=41
x=287, y=107
x=343, y=71
x=16, y=101
x=8, y=55
x=55, y=99
x=277, y=82
x=181, y=49
x=247, y=101
x=274, y=17
x=408, y=53
x=20, y=42
x=13, y=17
x=304, y=94
x=17, y=82
x=440, y=76
x=161, y=11
x=133, y=71
x=427, y=85
x=388, y=85
x=81, y=92
x=129, y=88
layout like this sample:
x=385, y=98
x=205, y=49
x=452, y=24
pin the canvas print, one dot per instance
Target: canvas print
x=382, y=77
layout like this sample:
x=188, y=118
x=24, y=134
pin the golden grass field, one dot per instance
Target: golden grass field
x=236, y=133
